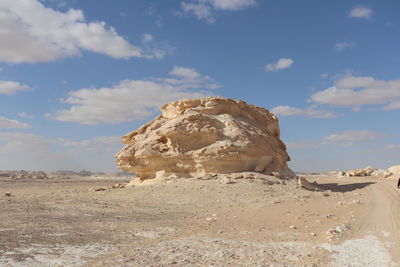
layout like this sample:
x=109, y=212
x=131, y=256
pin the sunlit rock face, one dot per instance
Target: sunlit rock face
x=393, y=172
x=194, y=137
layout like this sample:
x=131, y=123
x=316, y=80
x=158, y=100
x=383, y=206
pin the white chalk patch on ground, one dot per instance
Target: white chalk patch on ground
x=53, y=255
x=160, y=231
x=203, y=251
x=390, y=244
x=385, y=234
x=366, y=252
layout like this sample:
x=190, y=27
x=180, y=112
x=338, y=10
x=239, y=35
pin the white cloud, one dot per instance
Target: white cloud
x=96, y=144
x=33, y=152
x=353, y=91
x=392, y=147
x=361, y=12
x=132, y=99
x=185, y=73
x=12, y=124
x=324, y=75
x=303, y=144
x=33, y=33
x=311, y=112
x=392, y=106
x=339, y=47
x=281, y=64
x=232, y=4
x=201, y=11
x=147, y=38
x=10, y=87
x=353, y=136
x=25, y=115
x=17, y=142
x=204, y=9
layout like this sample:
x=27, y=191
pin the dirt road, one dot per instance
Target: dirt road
x=383, y=218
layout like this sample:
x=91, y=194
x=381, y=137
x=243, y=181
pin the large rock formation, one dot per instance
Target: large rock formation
x=193, y=137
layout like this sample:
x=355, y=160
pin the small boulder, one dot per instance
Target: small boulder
x=115, y=186
x=305, y=184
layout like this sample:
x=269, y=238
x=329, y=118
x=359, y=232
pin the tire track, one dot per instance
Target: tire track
x=383, y=219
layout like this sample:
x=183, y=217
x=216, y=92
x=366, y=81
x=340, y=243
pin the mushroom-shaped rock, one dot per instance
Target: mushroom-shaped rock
x=193, y=137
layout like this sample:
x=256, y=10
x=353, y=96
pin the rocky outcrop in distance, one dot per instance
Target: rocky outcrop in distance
x=64, y=173
x=367, y=171
x=195, y=137
x=21, y=174
x=392, y=172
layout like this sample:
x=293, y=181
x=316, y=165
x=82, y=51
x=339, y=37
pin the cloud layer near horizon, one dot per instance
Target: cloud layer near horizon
x=354, y=91
x=40, y=153
x=133, y=99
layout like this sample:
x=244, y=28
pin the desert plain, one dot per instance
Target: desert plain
x=252, y=220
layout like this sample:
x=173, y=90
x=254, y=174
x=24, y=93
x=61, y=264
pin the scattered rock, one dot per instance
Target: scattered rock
x=226, y=180
x=387, y=175
x=292, y=227
x=93, y=189
x=338, y=231
x=367, y=171
x=194, y=137
x=305, y=184
x=115, y=186
x=7, y=194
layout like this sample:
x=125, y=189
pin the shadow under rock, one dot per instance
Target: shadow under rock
x=335, y=187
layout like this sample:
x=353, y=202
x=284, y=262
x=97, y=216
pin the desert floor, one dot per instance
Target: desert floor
x=191, y=222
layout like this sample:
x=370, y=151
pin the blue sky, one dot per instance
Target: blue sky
x=76, y=75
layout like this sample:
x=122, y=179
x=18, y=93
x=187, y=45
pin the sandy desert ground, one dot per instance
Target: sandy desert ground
x=192, y=222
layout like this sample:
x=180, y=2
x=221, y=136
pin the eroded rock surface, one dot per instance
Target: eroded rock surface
x=194, y=137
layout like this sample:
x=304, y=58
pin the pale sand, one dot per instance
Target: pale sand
x=199, y=223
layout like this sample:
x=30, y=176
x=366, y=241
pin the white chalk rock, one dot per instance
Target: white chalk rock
x=194, y=137
x=395, y=171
